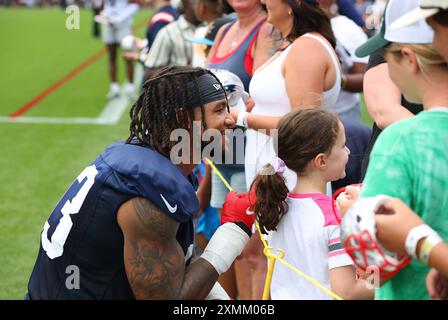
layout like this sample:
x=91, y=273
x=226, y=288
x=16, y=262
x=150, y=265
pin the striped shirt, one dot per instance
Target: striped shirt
x=170, y=46
x=310, y=235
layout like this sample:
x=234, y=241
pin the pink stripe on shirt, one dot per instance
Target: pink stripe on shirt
x=335, y=240
x=324, y=203
x=336, y=253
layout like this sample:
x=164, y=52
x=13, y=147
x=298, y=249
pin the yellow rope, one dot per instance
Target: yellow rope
x=273, y=257
x=219, y=174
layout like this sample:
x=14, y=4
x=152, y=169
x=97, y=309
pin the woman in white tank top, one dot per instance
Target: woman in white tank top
x=306, y=73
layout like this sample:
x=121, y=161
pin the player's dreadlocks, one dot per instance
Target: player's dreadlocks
x=160, y=108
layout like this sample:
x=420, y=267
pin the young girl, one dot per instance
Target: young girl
x=311, y=142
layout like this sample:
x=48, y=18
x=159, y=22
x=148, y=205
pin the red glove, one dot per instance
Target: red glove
x=238, y=208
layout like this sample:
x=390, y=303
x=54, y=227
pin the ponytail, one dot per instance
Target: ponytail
x=270, y=194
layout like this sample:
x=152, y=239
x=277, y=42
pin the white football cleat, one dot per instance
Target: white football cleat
x=114, y=91
x=130, y=91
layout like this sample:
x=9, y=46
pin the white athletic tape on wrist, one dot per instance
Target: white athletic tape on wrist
x=414, y=236
x=217, y=293
x=225, y=245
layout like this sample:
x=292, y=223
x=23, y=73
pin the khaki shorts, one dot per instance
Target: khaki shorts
x=114, y=34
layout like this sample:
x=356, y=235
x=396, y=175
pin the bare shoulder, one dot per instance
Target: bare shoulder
x=307, y=46
x=378, y=72
x=220, y=33
x=306, y=52
x=153, y=259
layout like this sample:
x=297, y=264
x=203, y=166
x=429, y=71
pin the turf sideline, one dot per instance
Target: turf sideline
x=110, y=115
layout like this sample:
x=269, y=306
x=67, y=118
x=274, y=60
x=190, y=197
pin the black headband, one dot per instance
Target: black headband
x=209, y=89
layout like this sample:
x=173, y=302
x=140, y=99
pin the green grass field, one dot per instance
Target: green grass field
x=39, y=161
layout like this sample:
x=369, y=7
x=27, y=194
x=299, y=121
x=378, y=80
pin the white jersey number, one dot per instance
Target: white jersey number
x=55, y=247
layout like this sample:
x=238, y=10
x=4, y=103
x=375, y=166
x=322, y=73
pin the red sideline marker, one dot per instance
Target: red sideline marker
x=29, y=105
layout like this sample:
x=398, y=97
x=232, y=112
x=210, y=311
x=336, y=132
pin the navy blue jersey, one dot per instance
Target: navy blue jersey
x=82, y=233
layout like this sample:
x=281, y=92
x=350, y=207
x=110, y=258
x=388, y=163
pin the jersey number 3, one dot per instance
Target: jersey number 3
x=55, y=247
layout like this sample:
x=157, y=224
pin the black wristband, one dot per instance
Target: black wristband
x=243, y=226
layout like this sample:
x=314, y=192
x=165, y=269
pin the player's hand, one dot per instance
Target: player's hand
x=394, y=225
x=239, y=208
x=436, y=285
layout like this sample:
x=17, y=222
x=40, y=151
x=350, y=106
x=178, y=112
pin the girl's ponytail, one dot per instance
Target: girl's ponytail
x=270, y=194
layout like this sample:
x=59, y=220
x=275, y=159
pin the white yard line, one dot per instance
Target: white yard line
x=110, y=114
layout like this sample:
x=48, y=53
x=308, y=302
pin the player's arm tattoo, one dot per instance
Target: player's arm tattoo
x=155, y=262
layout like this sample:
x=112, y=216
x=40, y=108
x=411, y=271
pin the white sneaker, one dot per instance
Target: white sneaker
x=130, y=91
x=114, y=91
